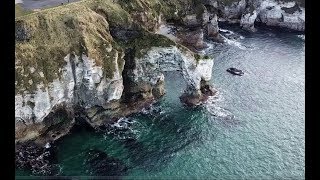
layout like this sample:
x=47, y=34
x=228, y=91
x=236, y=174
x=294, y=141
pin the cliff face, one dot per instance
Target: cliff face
x=281, y=13
x=96, y=59
x=103, y=59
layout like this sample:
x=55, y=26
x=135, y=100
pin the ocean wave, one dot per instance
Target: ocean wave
x=152, y=110
x=122, y=129
x=123, y=123
x=233, y=38
x=235, y=43
x=217, y=111
x=301, y=36
x=226, y=31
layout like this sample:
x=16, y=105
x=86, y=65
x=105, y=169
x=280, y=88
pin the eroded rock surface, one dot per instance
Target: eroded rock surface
x=100, y=164
x=102, y=58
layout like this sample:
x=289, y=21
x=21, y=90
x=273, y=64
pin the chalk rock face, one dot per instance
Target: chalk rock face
x=73, y=62
x=82, y=82
x=93, y=88
x=235, y=10
x=274, y=13
x=194, y=71
x=289, y=15
x=149, y=69
x=212, y=30
x=192, y=38
x=174, y=59
x=197, y=17
x=247, y=21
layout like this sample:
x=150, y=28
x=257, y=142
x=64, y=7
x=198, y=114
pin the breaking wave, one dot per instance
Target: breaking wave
x=301, y=36
x=217, y=111
x=233, y=38
x=122, y=129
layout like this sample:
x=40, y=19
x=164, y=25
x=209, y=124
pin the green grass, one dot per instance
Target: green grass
x=83, y=28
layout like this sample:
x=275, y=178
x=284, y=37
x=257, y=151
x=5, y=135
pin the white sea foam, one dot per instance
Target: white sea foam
x=220, y=112
x=301, y=36
x=122, y=123
x=235, y=43
x=205, y=51
x=226, y=31
x=215, y=110
x=47, y=145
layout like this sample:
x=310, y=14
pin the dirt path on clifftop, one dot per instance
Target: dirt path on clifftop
x=40, y=4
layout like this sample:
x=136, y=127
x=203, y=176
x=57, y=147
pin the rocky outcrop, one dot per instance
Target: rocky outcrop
x=247, y=21
x=193, y=39
x=281, y=13
x=100, y=164
x=232, y=10
x=97, y=59
x=288, y=15
x=212, y=30
x=199, y=16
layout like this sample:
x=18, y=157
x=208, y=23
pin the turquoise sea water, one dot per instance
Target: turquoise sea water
x=253, y=129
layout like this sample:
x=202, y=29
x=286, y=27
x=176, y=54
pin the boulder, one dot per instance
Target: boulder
x=213, y=30
x=100, y=164
x=192, y=38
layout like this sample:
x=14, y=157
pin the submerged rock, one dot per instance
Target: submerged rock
x=40, y=160
x=100, y=164
x=192, y=100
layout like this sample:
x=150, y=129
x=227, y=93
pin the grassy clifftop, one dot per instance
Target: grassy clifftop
x=44, y=38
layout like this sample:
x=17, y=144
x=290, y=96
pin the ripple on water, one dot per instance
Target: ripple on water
x=168, y=140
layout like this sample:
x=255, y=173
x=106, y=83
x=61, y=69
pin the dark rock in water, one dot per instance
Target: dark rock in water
x=39, y=160
x=235, y=71
x=207, y=89
x=100, y=164
x=212, y=30
x=193, y=98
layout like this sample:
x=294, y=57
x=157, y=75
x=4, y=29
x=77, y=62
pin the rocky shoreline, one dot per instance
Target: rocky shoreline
x=97, y=61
